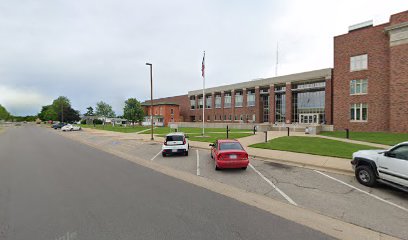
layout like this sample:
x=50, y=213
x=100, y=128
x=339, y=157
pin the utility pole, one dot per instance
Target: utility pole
x=151, y=98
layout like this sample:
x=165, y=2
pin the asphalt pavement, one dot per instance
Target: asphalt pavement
x=55, y=188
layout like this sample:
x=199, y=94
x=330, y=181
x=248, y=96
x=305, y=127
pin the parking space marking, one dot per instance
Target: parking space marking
x=290, y=200
x=362, y=191
x=155, y=155
x=198, y=163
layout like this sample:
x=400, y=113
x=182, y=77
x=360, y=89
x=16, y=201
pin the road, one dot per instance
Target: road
x=54, y=188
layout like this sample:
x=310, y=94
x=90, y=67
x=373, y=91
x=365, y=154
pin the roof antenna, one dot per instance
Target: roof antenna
x=277, y=59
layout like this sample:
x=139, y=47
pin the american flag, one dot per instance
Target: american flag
x=203, y=66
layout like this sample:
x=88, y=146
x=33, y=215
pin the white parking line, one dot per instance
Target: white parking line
x=274, y=186
x=369, y=194
x=155, y=155
x=198, y=164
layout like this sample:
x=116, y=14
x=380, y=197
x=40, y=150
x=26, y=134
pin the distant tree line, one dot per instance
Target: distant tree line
x=59, y=110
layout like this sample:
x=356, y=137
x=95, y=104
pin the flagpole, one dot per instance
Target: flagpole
x=203, y=91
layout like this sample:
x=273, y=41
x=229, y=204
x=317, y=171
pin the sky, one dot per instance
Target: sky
x=96, y=50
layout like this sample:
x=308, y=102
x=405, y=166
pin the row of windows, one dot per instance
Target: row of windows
x=239, y=99
x=236, y=117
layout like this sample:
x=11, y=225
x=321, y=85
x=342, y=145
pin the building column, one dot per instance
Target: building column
x=197, y=111
x=272, y=103
x=328, y=101
x=244, y=98
x=288, y=96
x=258, y=105
x=212, y=107
x=222, y=106
x=232, y=105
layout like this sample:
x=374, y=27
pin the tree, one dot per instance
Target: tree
x=133, y=111
x=4, y=114
x=59, y=106
x=90, y=111
x=104, y=110
x=47, y=113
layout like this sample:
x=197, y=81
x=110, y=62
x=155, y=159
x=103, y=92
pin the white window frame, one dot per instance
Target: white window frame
x=250, y=99
x=358, y=63
x=208, y=102
x=193, y=106
x=358, y=112
x=218, y=101
x=226, y=103
x=358, y=83
x=240, y=97
x=200, y=103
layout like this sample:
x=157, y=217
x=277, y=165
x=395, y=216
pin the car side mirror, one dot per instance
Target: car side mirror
x=389, y=154
x=212, y=145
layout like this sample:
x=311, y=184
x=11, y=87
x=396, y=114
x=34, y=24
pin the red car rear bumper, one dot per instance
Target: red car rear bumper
x=232, y=163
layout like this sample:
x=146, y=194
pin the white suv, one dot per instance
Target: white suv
x=386, y=166
x=175, y=143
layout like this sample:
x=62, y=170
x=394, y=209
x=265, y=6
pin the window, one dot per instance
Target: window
x=200, y=102
x=251, y=98
x=230, y=118
x=253, y=117
x=208, y=102
x=358, y=86
x=401, y=152
x=227, y=100
x=192, y=103
x=358, y=62
x=218, y=101
x=236, y=117
x=358, y=112
x=225, y=117
x=172, y=111
x=238, y=99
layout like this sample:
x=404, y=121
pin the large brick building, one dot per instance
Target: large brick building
x=370, y=77
x=367, y=90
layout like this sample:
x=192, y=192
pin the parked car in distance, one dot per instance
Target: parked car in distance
x=229, y=154
x=70, y=127
x=386, y=166
x=58, y=125
x=175, y=143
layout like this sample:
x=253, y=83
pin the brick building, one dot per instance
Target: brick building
x=163, y=113
x=367, y=90
x=370, y=77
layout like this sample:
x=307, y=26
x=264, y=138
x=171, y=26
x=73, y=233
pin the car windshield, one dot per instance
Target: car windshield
x=174, y=138
x=230, y=146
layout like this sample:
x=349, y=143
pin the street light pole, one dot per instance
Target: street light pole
x=151, y=98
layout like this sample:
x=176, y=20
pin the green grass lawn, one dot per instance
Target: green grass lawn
x=313, y=145
x=373, y=137
x=129, y=129
x=166, y=130
x=212, y=137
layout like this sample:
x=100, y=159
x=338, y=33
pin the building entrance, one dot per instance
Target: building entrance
x=265, y=110
x=309, y=118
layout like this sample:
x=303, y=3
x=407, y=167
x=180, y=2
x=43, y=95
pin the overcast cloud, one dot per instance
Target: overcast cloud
x=92, y=50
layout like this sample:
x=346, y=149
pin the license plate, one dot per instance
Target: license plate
x=233, y=156
x=174, y=150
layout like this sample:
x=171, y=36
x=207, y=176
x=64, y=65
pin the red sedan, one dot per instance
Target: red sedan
x=229, y=154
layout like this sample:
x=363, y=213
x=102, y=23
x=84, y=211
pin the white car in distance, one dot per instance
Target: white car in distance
x=70, y=127
x=175, y=143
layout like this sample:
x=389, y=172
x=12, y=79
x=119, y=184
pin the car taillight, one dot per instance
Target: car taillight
x=220, y=157
x=184, y=141
x=245, y=156
x=165, y=142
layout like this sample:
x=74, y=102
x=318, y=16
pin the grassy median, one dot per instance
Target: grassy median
x=373, y=137
x=313, y=145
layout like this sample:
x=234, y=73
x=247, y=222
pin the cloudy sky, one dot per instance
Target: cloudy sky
x=92, y=50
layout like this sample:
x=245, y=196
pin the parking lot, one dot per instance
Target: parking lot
x=381, y=209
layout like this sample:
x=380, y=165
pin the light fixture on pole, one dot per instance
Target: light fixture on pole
x=151, y=98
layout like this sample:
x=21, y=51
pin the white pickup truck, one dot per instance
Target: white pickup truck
x=386, y=166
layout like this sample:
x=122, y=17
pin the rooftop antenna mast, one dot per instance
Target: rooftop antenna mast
x=277, y=59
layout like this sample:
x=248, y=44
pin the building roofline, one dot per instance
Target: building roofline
x=147, y=103
x=320, y=74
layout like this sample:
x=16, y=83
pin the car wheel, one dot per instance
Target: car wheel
x=186, y=153
x=244, y=168
x=163, y=154
x=365, y=175
x=71, y=129
x=211, y=155
x=217, y=168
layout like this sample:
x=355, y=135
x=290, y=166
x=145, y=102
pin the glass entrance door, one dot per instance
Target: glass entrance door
x=309, y=118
